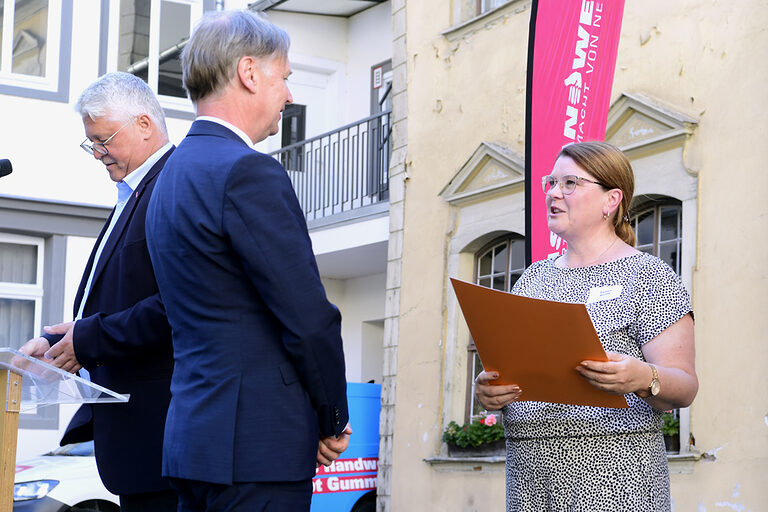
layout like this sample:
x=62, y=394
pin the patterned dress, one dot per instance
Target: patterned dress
x=594, y=459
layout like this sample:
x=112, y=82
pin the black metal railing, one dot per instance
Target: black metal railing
x=341, y=170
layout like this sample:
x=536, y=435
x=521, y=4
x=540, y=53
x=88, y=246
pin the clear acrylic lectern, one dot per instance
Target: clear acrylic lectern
x=27, y=383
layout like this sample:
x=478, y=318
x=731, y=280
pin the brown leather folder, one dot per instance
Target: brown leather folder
x=536, y=344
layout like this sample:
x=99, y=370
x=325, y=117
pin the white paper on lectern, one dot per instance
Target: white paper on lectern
x=44, y=384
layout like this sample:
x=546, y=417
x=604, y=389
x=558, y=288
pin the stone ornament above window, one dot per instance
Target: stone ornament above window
x=636, y=121
x=491, y=169
x=637, y=124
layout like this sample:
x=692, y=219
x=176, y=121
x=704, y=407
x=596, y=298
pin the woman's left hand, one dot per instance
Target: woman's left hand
x=621, y=374
x=671, y=352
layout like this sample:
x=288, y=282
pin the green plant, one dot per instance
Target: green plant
x=482, y=430
x=670, y=424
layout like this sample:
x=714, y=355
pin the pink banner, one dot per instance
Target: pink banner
x=571, y=60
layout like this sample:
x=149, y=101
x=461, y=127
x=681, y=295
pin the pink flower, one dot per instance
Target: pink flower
x=489, y=421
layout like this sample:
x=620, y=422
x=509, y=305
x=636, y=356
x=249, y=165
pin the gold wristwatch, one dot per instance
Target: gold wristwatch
x=655, y=386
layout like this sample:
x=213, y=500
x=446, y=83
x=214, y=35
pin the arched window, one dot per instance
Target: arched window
x=658, y=228
x=498, y=265
x=657, y=221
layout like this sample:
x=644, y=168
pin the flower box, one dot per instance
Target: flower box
x=481, y=437
x=672, y=443
x=492, y=449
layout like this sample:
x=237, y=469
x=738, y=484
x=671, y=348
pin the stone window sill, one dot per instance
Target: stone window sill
x=682, y=463
x=485, y=20
x=492, y=464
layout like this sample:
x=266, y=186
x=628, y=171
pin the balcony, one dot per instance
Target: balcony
x=342, y=174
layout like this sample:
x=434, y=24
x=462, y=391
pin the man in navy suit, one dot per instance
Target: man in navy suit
x=259, y=392
x=120, y=333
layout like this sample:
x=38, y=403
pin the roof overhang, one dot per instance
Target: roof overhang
x=340, y=8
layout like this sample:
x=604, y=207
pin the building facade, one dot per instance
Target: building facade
x=54, y=203
x=439, y=88
x=687, y=108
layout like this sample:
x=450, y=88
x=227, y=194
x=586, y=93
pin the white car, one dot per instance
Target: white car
x=64, y=480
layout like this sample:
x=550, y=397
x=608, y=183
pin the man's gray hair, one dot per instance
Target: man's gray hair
x=221, y=38
x=120, y=96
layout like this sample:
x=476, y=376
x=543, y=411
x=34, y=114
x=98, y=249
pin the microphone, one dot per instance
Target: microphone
x=5, y=167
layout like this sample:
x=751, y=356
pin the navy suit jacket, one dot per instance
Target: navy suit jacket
x=259, y=365
x=124, y=341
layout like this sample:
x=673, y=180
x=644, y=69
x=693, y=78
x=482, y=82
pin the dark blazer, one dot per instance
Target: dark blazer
x=124, y=341
x=259, y=366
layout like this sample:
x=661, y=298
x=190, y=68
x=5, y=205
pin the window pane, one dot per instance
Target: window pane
x=648, y=249
x=17, y=321
x=18, y=263
x=645, y=248
x=174, y=29
x=30, y=32
x=484, y=265
x=477, y=367
x=487, y=5
x=294, y=124
x=498, y=283
x=513, y=277
x=500, y=259
x=486, y=281
x=669, y=222
x=133, y=43
x=293, y=129
x=644, y=228
x=669, y=252
x=517, y=254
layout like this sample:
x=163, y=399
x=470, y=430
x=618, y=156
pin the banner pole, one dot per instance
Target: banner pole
x=528, y=117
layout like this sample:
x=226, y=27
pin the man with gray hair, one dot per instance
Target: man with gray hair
x=120, y=334
x=259, y=389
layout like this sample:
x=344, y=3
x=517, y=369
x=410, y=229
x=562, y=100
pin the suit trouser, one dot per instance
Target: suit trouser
x=161, y=501
x=196, y=496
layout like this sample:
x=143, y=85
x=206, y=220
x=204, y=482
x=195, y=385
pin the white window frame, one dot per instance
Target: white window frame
x=489, y=5
x=153, y=72
x=20, y=291
x=655, y=244
x=49, y=82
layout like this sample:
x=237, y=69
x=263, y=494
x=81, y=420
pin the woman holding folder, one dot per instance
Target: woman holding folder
x=577, y=458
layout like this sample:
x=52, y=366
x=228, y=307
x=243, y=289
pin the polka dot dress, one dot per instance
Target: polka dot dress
x=592, y=459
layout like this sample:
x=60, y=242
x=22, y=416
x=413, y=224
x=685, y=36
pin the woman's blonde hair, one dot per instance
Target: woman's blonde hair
x=608, y=165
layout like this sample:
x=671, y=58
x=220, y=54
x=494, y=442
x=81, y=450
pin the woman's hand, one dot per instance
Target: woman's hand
x=673, y=354
x=621, y=374
x=493, y=396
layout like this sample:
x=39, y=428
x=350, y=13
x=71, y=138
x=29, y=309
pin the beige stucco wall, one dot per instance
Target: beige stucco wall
x=705, y=60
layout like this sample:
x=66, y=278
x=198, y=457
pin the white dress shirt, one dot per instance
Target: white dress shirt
x=240, y=133
x=124, y=190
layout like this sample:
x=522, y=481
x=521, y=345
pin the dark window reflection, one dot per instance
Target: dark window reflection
x=669, y=224
x=644, y=228
x=658, y=231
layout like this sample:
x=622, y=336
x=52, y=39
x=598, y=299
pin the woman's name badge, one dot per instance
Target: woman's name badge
x=601, y=293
